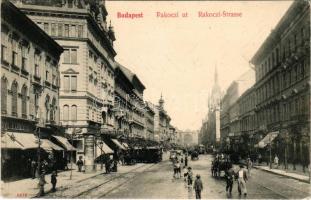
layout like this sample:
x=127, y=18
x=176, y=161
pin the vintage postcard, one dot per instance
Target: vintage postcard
x=109, y=99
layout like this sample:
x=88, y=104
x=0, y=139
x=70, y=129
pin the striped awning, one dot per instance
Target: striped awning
x=15, y=140
x=65, y=143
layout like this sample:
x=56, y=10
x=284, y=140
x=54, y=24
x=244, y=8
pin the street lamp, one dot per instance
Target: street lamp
x=270, y=158
x=101, y=144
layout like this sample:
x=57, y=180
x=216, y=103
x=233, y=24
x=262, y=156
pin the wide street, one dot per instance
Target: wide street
x=156, y=181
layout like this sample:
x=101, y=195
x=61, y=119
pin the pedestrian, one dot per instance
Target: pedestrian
x=198, y=186
x=80, y=164
x=186, y=159
x=242, y=178
x=33, y=169
x=229, y=175
x=178, y=171
x=189, y=177
x=276, y=161
x=249, y=166
x=107, y=166
x=53, y=181
x=185, y=173
x=42, y=182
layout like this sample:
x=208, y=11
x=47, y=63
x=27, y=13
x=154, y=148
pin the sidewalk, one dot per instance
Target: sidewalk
x=290, y=173
x=28, y=188
x=282, y=172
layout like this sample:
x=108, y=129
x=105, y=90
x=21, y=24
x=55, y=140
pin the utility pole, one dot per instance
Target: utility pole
x=270, y=158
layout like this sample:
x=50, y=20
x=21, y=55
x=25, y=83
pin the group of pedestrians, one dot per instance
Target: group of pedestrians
x=181, y=161
x=241, y=176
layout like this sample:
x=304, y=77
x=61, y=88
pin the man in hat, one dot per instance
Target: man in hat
x=198, y=186
x=242, y=178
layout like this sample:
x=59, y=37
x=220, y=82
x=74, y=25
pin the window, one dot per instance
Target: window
x=53, y=29
x=66, y=83
x=37, y=62
x=4, y=94
x=70, y=56
x=14, y=52
x=24, y=58
x=72, y=31
x=37, y=104
x=60, y=30
x=66, y=56
x=53, y=110
x=46, y=27
x=4, y=53
x=73, y=83
x=66, y=112
x=14, y=98
x=73, y=56
x=66, y=30
x=74, y=113
x=47, y=75
x=289, y=47
x=24, y=102
x=47, y=108
x=80, y=31
x=53, y=79
x=70, y=83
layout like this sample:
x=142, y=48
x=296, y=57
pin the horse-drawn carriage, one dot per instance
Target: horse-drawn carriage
x=220, y=164
x=194, y=155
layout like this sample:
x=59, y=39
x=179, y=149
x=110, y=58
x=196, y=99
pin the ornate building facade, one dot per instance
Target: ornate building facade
x=129, y=104
x=282, y=86
x=29, y=82
x=86, y=67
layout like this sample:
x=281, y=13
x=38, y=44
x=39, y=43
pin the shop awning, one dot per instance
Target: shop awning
x=267, y=139
x=15, y=140
x=65, y=142
x=116, y=142
x=105, y=148
x=49, y=146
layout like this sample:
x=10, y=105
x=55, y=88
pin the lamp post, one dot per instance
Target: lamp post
x=101, y=144
x=270, y=157
x=71, y=152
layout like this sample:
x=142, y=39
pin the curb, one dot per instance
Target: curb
x=272, y=172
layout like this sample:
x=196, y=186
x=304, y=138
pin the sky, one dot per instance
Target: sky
x=178, y=56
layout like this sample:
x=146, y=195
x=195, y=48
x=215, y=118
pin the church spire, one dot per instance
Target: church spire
x=161, y=102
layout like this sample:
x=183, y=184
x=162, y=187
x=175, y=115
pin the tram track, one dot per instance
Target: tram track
x=94, y=192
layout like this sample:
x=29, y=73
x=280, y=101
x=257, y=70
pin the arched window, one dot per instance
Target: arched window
x=14, y=98
x=47, y=108
x=24, y=101
x=53, y=110
x=65, y=112
x=4, y=95
x=73, y=113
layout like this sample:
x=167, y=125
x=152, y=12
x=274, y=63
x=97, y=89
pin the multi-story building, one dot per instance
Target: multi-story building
x=172, y=135
x=29, y=82
x=149, y=120
x=86, y=67
x=161, y=122
x=247, y=117
x=230, y=114
x=283, y=84
x=129, y=107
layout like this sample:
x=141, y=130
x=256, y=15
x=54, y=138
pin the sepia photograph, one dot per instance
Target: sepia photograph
x=163, y=99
